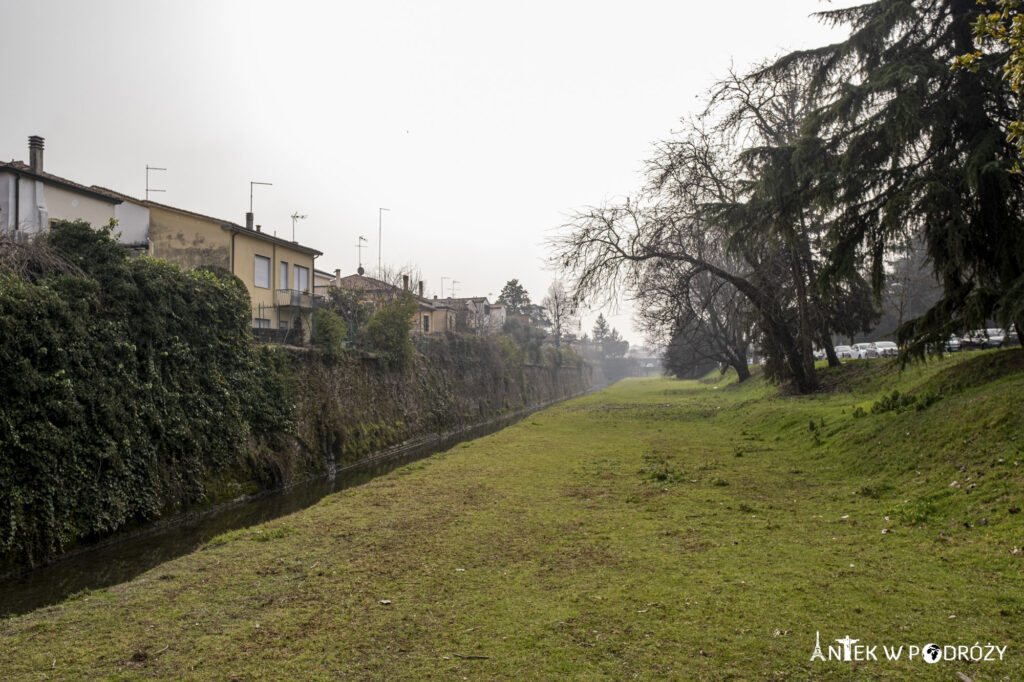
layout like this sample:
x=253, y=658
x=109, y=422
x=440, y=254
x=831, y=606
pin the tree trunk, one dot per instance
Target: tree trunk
x=804, y=347
x=830, y=352
x=742, y=370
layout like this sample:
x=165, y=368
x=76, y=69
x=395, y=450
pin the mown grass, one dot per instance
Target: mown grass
x=656, y=530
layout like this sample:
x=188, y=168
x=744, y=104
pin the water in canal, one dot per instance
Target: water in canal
x=121, y=558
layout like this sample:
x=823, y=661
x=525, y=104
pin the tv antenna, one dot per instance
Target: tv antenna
x=359, y=246
x=148, y=190
x=454, y=282
x=296, y=216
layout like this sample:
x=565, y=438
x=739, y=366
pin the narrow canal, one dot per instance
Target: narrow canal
x=123, y=557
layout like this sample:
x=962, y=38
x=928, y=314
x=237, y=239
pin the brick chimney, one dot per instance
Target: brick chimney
x=35, y=153
x=405, y=282
x=421, y=288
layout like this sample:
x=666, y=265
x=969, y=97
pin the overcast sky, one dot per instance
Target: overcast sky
x=481, y=125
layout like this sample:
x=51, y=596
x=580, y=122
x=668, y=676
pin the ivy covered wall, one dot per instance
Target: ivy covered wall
x=130, y=390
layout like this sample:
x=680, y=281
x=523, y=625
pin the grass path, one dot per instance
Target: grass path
x=656, y=530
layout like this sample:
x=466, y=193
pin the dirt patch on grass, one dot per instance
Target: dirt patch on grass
x=585, y=492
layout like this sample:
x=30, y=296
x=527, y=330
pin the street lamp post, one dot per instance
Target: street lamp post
x=251, y=183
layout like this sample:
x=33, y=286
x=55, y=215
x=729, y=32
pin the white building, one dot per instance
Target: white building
x=31, y=199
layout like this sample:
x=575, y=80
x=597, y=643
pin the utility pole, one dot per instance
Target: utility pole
x=380, y=213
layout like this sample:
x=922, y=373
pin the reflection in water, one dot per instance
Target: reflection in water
x=123, y=558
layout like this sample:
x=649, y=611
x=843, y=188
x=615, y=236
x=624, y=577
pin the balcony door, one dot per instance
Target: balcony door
x=300, y=278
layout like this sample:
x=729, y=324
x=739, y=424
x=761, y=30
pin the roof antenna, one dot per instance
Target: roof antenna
x=148, y=190
x=359, y=246
x=296, y=216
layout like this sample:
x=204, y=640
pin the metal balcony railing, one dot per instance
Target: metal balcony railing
x=293, y=298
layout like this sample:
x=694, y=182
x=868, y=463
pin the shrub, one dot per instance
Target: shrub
x=896, y=402
x=329, y=332
x=387, y=332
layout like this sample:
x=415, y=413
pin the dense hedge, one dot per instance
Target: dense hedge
x=131, y=389
x=125, y=386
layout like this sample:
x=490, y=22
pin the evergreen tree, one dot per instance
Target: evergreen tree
x=919, y=148
x=999, y=28
x=514, y=297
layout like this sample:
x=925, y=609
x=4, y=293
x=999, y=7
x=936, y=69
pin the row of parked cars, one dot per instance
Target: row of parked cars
x=993, y=337
x=861, y=351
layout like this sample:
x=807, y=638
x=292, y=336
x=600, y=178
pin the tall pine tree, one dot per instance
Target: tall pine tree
x=918, y=148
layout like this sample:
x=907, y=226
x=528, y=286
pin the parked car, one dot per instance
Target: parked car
x=983, y=338
x=887, y=349
x=1011, y=338
x=864, y=351
x=844, y=352
x=996, y=336
x=973, y=340
x=953, y=344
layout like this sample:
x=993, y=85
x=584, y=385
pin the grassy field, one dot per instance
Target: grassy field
x=656, y=530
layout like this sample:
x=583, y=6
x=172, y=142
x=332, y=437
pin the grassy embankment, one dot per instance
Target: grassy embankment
x=659, y=529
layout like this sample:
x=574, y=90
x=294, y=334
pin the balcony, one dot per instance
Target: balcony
x=293, y=298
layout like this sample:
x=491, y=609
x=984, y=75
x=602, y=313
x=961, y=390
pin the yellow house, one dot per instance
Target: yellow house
x=434, y=317
x=278, y=273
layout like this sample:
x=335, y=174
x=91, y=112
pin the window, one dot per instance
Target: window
x=301, y=278
x=283, y=324
x=426, y=323
x=283, y=279
x=261, y=322
x=261, y=276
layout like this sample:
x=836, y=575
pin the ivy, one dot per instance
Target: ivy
x=127, y=385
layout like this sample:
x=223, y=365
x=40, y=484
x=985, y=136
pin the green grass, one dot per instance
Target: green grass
x=656, y=530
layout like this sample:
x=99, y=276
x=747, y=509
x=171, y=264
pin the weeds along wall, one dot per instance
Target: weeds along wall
x=132, y=390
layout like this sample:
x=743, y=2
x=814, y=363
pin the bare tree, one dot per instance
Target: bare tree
x=730, y=201
x=701, y=319
x=404, y=278
x=561, y=310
